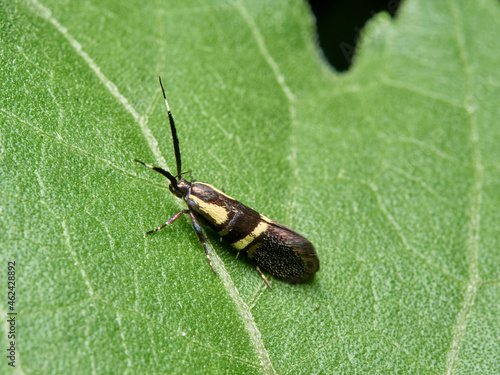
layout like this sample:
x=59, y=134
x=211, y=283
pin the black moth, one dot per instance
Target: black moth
x=270, y=245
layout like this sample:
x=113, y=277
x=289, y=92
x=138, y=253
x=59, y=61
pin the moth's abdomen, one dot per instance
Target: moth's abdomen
x=285, y=254
x=274, y=247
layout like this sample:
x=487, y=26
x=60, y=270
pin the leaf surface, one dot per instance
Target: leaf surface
x=391, y=170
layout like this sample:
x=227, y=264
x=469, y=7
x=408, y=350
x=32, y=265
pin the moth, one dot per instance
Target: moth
x=271, y=246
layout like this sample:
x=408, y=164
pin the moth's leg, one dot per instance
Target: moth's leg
x=261, y=274
x=202, y=238
x=170, y=221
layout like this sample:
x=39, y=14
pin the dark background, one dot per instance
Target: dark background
x=338, y=24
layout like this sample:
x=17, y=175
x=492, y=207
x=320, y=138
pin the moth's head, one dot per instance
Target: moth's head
x=181, y=188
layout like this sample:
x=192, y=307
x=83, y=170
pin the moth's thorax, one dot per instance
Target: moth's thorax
x=210, y=203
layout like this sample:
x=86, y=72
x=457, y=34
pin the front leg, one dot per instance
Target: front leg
x=170, y=221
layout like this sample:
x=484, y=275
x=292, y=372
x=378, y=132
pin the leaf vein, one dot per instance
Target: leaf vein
x=402, y=237
x=67, y=238
x=280, y=78
x=473, y=243
x=124, y=342
x=419, y=91
x=56, y=137
x=44, y=12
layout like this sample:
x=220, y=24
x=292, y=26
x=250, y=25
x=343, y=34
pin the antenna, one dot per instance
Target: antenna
x=174, y=134
x=167, y=174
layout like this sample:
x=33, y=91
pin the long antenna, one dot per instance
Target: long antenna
x=167, y=174
x=174, y=133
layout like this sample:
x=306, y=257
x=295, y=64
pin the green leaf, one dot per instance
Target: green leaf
x=392, y=171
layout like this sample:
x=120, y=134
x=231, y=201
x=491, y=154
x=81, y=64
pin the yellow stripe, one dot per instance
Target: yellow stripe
x=217, y=213
x=258, y=230
x=266, y=219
